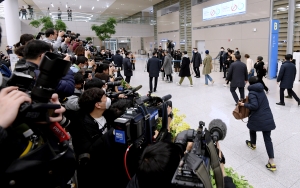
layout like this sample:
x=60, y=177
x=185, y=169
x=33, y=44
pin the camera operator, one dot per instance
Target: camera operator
x=33, y=54
x=80, y=63
x=54, y=38
x=160, y=161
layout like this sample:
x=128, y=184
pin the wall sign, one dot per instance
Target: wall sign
x=230, y=8
x=273, y=49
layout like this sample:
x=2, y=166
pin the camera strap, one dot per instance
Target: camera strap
x=203, y=175
x=215, y=162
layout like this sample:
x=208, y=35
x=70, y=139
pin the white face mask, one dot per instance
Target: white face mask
x=222, y=50
x=108, y=103
x=102, y=53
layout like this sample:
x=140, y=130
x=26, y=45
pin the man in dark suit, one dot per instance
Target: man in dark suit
x=118, y=61
x=286, y=77
x=220, y=56
x=197, y=61
x=153, y=68
x=238, y=77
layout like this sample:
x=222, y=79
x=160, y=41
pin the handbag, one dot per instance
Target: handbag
x=241, y=112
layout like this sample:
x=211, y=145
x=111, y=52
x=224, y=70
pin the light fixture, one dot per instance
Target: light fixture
x=80, y=7
x=66, y=5
x=93, y=8
x=107, y=6
x=52, y=5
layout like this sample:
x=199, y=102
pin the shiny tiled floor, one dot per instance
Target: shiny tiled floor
x=215, y=101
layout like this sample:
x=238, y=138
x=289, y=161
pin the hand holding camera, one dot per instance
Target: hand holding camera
x=61, y=33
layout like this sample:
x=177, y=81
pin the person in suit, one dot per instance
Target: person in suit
x=286, y=77
x=238, y=77
x=153, y=68
x=260, y=70
x=221, y=60
x=127, y=67
x=185, y=69
x=260, y=118
x=197, y=61
x=118, y=61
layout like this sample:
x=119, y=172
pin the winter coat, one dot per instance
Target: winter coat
x=185, y=67
x=261, y=117
x=127, y=67
x=153, y=67
x=237, y=74
x=167, y=65
x=207, y=65
x=118, y=60
x=196, y=59
x=259, y=66
x=287, y=75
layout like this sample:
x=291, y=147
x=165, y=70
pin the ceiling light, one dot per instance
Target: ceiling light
x=66, y=5
x=52, y=5
x=107, y=6
x=80, y=7
x=93, y=8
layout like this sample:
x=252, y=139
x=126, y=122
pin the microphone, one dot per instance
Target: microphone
x=134, y=89
x=217, y=129
x=166, y=97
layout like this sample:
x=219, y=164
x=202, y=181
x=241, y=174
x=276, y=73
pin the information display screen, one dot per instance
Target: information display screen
x=230, y=8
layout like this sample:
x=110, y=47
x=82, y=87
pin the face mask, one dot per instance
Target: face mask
x=84, y=66
x=222, y=50
x=108, y=103
x=102, y=53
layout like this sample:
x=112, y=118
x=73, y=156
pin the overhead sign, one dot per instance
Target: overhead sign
x=230, y=8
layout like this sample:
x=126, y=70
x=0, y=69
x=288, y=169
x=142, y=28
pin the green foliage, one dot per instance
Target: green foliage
x=238, y=180
x=105, y=30
x=60, y=25
x=47, y=23
x=88, y=38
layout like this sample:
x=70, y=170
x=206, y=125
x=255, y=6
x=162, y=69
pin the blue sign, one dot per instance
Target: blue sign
x=120, y=136
x=273, y=49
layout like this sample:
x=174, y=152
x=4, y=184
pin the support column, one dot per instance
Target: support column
x=290, y=32
x=12, y=21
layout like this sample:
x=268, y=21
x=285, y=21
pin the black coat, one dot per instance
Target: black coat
x=259, y=66
x=118, y=60
x=196, y=59
x=237, y=74
x=127, y=67
x=287, y=75
x=185, y=67
x=261, y=117
x=153, y=67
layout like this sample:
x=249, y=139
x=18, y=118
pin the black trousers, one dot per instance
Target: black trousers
x=119, y=74
x=235, y=96
x=169, y=77
x=127, y=79
x=151, y=83
x=267, y=139
x=225, y=71
x=260, y=79
x=222, y=66
x=197, y=71
x=290, y=92
x=133, y=66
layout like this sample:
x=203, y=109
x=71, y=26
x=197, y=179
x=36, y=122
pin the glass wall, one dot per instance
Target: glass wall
x=116, y=43
x=280, y=12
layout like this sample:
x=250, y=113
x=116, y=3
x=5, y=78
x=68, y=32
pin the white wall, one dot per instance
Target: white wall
x=135, y=44
x=148, y=43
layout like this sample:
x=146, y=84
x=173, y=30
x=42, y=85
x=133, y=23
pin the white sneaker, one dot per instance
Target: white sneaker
x=191, y=85
x=225, y=85
x=212, y=82
x=177, y=83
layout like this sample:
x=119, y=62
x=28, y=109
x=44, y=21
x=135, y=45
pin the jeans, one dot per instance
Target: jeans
x=251, y=74
x=290, y=92
x=267, y=139
x=234, y=95
x=151, y=81
x=207, y=77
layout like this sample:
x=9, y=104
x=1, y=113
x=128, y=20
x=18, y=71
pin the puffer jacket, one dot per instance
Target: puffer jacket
x=261, y=117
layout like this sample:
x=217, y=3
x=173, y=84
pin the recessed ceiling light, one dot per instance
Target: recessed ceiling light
x=80, y=7
x=93, y=8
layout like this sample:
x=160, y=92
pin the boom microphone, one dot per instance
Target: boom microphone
x=134, y=89
x=166, y=97
x=217, y=129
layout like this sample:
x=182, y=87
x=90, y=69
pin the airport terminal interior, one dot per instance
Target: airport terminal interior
x=260, y=28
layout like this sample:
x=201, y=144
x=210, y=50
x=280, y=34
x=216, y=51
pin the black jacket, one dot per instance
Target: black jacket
x=185, y=67
x=153, y=67
x=259, y=66
x=118, y=60
x=196, y=59
x=237, y=74
x=261, y=117
x=127, y=67
x=287, y=75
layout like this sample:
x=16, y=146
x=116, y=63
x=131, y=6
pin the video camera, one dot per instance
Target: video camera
x=39, y=35
x=194, y=168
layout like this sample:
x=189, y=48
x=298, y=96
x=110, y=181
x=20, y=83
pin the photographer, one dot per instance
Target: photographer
x=54, y=38
x=33, y=54
x=160, y=161
x=80, y=63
